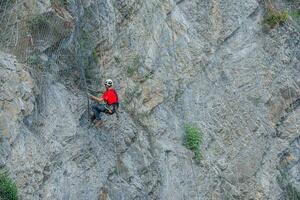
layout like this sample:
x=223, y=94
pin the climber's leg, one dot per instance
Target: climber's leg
x=98, y=123
x=97, y=109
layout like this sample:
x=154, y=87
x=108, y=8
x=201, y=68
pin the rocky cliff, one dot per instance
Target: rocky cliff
x=210, y=63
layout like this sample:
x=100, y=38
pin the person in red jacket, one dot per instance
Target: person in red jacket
x=110, y=97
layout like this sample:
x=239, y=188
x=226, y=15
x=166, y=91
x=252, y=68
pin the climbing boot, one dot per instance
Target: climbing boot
x=98, y=123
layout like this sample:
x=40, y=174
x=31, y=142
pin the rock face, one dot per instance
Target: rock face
x=17, y=101
x=174, y=62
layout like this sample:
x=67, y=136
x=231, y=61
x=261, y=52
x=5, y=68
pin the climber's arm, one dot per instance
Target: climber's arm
x=98, y=99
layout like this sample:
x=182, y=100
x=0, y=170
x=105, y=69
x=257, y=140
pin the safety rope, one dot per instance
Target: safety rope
x=78, y=51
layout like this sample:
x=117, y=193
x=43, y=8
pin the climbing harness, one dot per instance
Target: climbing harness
x=112, y=108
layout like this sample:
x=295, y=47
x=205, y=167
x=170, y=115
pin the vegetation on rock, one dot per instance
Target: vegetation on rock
x=193, y=140
x=37, y=22
x=295, y=14
x=274, y=18
x=8, y=189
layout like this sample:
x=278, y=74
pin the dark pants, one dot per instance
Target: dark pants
x=98, y=109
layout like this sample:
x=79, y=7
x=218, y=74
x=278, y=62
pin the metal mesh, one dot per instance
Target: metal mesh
x=27, y=27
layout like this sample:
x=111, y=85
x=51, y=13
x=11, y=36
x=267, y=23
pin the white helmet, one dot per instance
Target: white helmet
x=108, y=82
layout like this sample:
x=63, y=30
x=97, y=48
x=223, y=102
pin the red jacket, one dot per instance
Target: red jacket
x=110, y=96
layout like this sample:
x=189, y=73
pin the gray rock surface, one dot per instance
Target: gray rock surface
x=174, y=62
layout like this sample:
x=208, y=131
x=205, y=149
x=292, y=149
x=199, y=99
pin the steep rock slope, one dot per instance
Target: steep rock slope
x=208, y=63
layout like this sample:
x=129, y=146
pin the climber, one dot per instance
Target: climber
x=110, y=97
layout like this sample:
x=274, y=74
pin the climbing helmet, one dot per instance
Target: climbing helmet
x=108, y=82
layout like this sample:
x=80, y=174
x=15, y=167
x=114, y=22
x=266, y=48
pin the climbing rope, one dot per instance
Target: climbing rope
x=78, y=51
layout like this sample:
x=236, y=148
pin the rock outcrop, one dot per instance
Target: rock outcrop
x=17, y=101
x=174, y=62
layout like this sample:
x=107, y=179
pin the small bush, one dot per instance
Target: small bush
x=295, y=14
x=37, y=23
x=8, y=189
x=193, y=140
x=274, y=18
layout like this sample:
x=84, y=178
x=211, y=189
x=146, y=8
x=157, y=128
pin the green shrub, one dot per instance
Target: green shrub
x=8, y=189
x=37, y=23
x=273, y=18
x=193, y=140
x=295, y=14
